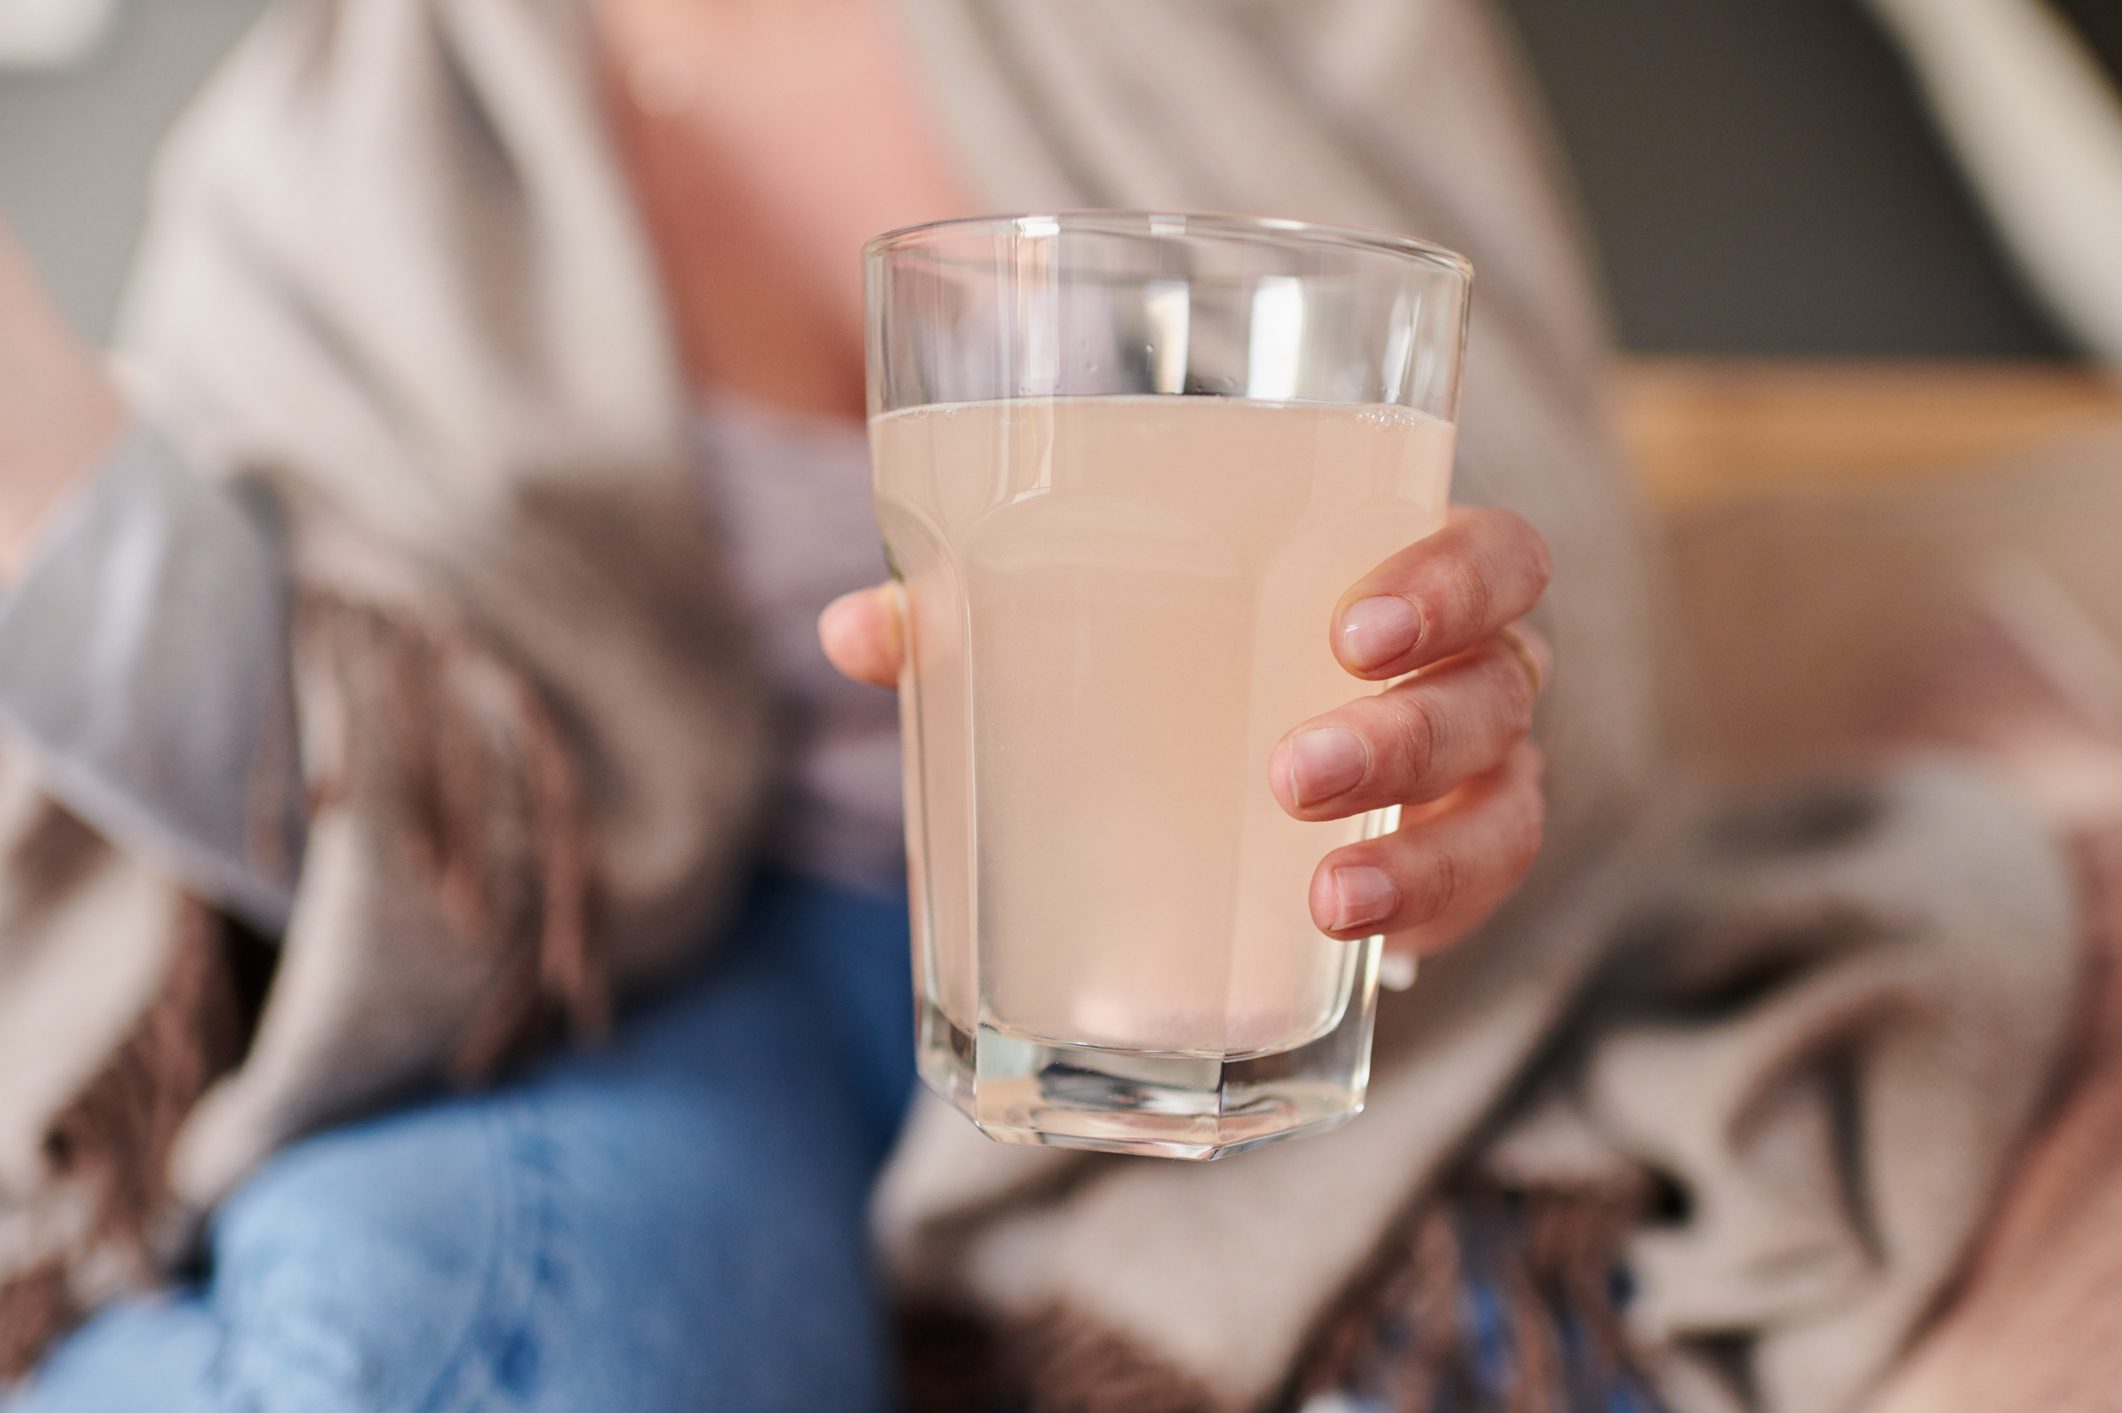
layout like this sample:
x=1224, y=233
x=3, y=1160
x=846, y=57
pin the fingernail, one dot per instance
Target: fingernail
x=1375, y=631
x=1324, y=763
x=1362, y=896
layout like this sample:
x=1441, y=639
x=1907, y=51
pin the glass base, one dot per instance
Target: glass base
x=1033, y=1091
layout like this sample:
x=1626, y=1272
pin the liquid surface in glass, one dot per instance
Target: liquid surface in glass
x=1116, y=607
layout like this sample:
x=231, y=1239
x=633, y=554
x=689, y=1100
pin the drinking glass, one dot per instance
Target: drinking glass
x=1126, y=463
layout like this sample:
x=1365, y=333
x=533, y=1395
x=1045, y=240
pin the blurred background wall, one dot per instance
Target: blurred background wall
x=76, y=146
x=1763, y=180
x=1759, y=173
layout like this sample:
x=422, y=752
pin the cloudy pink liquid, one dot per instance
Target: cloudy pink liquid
x=1117, y=606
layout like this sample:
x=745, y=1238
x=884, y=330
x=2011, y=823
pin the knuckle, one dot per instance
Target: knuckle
x=1527, y=833
x=1439, y=884
x=1521, y=546
x=1470, y=596
x=1517, y=701
x=1538, y=554
x=1418, y=735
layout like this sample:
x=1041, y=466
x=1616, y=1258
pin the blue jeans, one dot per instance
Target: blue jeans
x=672, y=1222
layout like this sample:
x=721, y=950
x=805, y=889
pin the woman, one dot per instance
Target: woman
x=492, y=435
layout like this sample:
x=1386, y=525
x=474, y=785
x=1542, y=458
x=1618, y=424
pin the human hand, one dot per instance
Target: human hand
x=1448, y=741
x=58, y=408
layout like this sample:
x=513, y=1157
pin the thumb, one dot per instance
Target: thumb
x=861, y=635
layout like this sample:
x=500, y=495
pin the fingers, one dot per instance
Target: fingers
x=1449, y=742
x=1431, y=880
x=861, y=635
x=1442, y=595
x=1417, y=740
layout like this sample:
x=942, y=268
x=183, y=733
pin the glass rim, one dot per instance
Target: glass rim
x=1265, y=230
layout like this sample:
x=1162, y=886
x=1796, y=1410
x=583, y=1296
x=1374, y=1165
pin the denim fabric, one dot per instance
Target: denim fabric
x=673, y=1222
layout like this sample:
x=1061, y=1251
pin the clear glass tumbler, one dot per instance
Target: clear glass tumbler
x=1126, y=464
